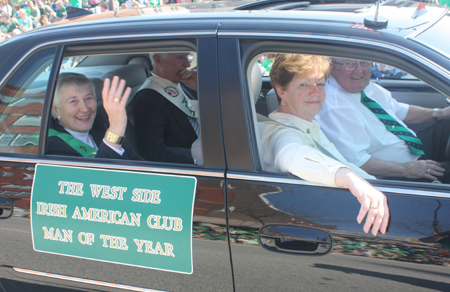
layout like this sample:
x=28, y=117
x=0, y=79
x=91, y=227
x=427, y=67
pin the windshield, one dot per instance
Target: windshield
x=433, y=37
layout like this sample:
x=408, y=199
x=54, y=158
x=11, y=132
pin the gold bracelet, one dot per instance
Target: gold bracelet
x=114, y=138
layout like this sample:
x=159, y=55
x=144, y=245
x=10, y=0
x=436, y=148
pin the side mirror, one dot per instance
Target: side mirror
x=6, y=208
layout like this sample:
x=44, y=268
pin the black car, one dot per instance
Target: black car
x=247, y=229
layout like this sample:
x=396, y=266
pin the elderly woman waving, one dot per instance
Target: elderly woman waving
x=293, y=141
x=78, y=130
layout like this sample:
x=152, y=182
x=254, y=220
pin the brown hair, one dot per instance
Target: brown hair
x=287, y=65
x=103, y=4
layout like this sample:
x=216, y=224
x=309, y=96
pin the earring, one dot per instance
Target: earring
x=283, y=102
x=59, y=118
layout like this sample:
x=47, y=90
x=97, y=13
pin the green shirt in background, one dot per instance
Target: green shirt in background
x=76, y=3
x=8, y=27
x=267, y=63
x=61, y=12
x=35, y=13
x=47, y=11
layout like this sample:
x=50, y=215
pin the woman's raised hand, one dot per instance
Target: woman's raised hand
x=115, y=98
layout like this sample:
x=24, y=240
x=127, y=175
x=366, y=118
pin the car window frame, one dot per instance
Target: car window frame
x=214, y=160
x=101, y=49
x=252, y=47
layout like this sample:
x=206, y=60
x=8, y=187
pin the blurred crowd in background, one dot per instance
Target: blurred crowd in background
x=18, y=16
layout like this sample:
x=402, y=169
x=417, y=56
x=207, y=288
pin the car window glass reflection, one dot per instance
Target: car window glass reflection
x=22, y=100
x=399, y=131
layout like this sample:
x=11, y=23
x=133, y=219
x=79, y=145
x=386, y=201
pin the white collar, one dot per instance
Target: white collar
x=290, y=119
x=83, y=137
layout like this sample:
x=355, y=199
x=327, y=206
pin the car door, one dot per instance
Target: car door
x=40, y=265
x=288, y=234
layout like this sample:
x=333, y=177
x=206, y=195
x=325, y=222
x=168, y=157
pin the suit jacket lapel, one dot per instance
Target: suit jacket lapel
x=98, y=131
x=182, y=121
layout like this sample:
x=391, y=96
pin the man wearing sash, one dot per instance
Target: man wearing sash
x=166, y=119
x=368, y=126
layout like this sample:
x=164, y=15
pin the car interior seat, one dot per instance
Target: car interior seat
x=271, y=101
x=133, y=74
x=144, y=63
x=254, y=77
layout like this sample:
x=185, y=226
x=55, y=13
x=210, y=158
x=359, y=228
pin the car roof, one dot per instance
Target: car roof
x=404, y=17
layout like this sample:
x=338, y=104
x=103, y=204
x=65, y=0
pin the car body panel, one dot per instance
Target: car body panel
x=411, y=241
x=257, y=199
x=235, y=198
x=30, y=267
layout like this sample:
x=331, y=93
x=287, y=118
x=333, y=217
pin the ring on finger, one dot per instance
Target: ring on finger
x=116, y=99
x=428, y=171
x=374, y=206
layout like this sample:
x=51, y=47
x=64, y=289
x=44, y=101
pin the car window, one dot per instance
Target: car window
x=163, y=121
x=71, y=62
x=265, y=62
x=347, y=120
x=22, y=100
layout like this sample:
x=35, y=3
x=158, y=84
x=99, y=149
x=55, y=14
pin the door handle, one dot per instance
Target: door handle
x=295, y=239
x=6, y=208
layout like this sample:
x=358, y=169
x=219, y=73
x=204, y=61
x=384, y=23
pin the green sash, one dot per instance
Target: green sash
x=84, y=149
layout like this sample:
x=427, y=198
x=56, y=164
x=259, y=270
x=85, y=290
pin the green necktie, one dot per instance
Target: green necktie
x=414, y=143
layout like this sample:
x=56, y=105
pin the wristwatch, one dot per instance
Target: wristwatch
x=434, y=114
x=114, y=138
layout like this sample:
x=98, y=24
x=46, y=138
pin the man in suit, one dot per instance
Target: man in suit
x=166, y=119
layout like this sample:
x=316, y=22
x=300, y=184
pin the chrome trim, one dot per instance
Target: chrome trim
x=85, y=281
x=423, y=29
x=368, y=42
x=212, y=173
x=134, y=36
x=298, y=181
x=270, y=179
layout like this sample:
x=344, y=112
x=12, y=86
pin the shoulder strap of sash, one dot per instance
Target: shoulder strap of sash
x=84, y=149
x=173, y=93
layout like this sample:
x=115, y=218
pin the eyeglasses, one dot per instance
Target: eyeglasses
x=351, y=65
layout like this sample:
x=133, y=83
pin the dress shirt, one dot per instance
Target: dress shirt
x=290, y=150
x=357, y=133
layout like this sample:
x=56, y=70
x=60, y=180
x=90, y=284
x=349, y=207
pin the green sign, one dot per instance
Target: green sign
x=130, y=218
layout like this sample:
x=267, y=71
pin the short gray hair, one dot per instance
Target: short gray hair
x=163, y=55
x=335, y=58
x=78, y=80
